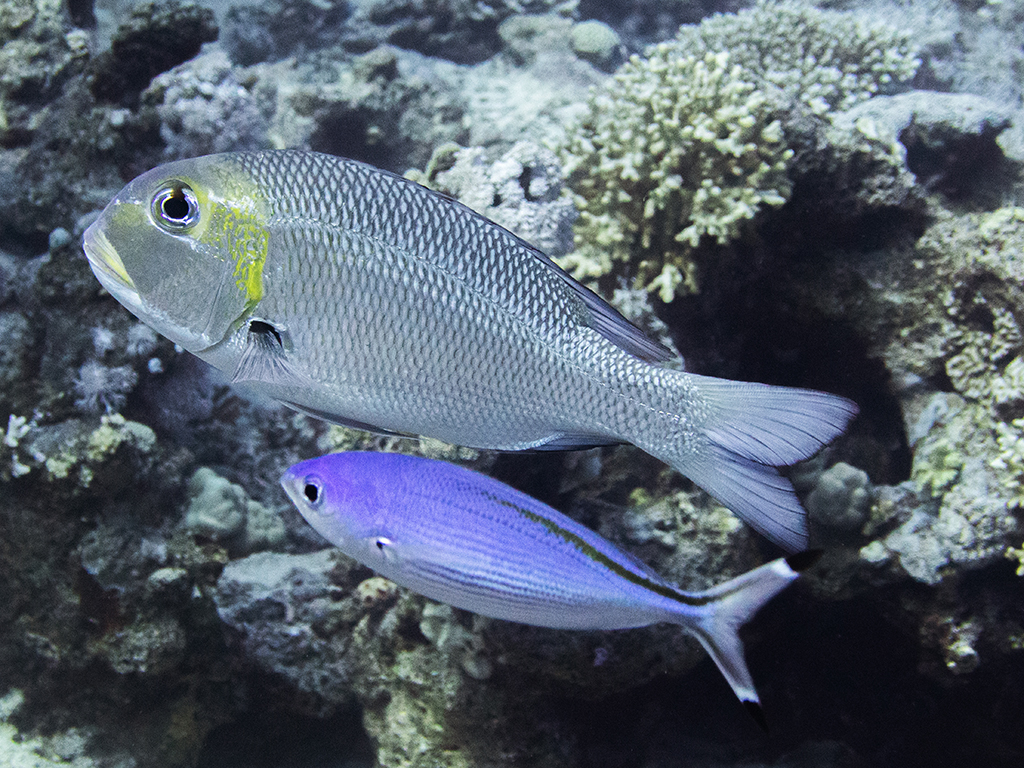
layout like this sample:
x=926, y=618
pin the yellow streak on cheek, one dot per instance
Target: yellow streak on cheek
x=237, y=229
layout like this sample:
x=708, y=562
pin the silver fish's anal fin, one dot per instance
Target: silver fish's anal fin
x=574, y=442
x=265, y=360
x=729, y=606
x=342, y=421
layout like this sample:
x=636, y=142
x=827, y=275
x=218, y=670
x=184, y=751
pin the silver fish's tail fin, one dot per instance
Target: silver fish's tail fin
x=729, y=607
x=753, y=428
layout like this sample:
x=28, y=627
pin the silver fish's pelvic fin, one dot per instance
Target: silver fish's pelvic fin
x=753, y=429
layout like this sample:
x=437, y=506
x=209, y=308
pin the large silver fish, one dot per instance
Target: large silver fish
x=365, y=299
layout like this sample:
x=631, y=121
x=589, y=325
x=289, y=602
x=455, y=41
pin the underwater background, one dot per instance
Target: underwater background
x=162, y=603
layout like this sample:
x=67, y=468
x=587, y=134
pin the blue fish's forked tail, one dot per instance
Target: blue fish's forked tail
x=729, y=607
x=751, y=430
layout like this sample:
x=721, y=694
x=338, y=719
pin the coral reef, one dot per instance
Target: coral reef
x=678, y=149
x=221, y=511
x=39, y=51
x=203, y=109
x=274, y=29
x=155, y=38
x=164, y=605
x=690, y=143
x=826, y=60
x=521, y=190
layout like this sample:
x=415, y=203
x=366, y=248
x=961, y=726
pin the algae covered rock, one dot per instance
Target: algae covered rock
x=521, y=190
x=222, y=511
x=155, y=37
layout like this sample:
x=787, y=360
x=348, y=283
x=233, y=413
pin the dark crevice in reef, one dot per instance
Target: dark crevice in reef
x=745, y=324
x=267, y=739
x=347, y=133
x=808, y=660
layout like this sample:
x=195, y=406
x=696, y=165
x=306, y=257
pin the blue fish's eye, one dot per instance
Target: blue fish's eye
x=313, y=490
x=175, y=207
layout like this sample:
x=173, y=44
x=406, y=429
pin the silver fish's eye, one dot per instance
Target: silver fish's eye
x=313, y=491
x=175, y=207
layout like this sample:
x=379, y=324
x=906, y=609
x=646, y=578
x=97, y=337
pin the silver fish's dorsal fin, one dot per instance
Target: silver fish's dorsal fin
x=601, y=316
x=608, y=321
x=264, y=358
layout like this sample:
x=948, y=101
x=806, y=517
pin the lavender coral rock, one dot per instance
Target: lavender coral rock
x=204, y=109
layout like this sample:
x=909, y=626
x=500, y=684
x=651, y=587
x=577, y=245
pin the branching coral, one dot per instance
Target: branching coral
x=828, y=60
x=101, y=388
x=678, y=148
x=687, y=145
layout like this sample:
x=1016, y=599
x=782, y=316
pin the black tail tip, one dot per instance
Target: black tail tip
x=801, y=561
x=757, y=713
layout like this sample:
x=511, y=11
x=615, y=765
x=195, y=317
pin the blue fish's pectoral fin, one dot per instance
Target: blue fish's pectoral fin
x=264, y=358
x=344, y=421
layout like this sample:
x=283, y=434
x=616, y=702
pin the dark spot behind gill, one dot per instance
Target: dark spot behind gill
x=262, y=328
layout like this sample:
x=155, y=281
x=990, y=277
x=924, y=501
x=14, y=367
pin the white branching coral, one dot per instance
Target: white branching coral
x=828, y=60
x=676, y=149
x=102, y=388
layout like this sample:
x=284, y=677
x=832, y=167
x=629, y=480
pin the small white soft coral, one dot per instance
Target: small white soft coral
x=102, y=388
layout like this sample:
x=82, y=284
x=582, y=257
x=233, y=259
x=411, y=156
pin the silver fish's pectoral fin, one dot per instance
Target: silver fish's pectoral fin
x=344, y=421
x=265, y=359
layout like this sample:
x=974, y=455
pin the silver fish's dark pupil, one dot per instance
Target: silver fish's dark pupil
x=175, y=206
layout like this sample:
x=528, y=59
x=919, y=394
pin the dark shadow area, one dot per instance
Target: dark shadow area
x=346, y=133
x=840, y=687
x=281, y=739
x=753, y=329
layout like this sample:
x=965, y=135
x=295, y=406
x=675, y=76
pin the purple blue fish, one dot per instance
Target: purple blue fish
x=468, y=540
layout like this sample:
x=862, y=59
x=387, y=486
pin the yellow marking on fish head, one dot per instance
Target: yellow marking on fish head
x=184, y=247
x=234, y=224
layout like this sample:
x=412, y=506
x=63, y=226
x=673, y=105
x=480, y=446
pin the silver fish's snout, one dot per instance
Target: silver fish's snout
x=105, y=262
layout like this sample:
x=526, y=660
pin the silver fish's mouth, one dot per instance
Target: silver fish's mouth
x=105, y=263
x=108, y=267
